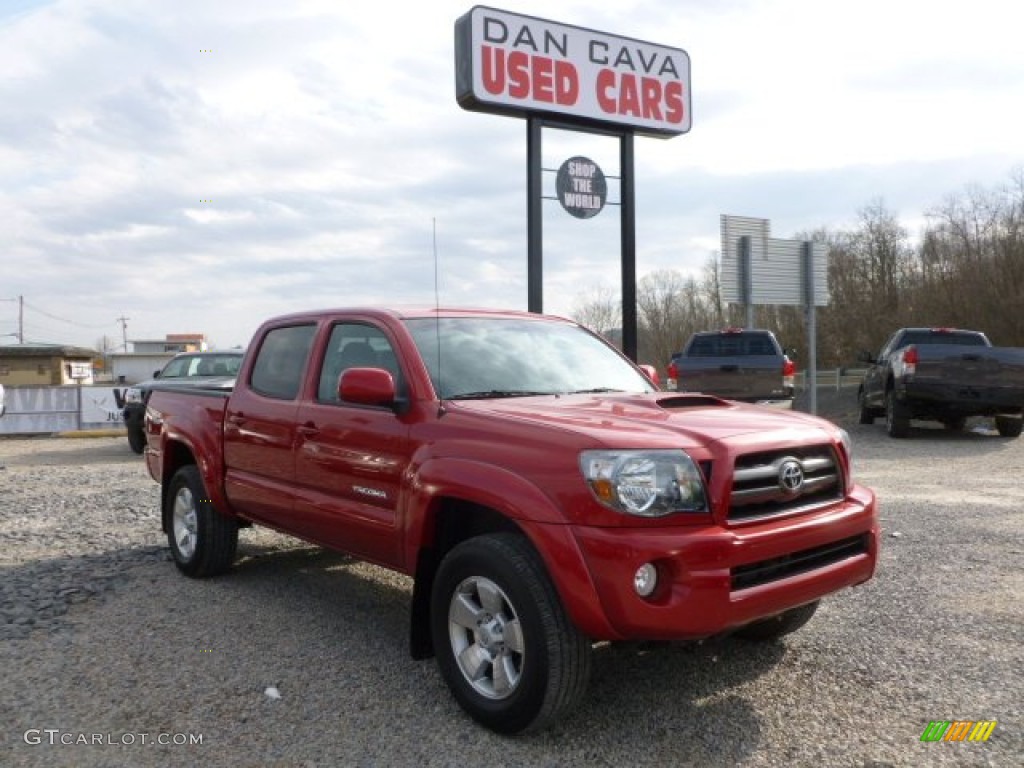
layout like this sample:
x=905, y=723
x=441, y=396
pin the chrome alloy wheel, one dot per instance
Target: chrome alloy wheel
x=486, y=637
x=184, y=521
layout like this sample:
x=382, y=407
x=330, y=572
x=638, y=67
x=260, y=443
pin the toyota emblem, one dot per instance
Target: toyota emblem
x=791, y=476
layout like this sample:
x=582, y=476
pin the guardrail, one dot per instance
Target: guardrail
x=836, y=378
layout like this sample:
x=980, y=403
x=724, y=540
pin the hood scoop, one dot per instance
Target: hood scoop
x=677, y=402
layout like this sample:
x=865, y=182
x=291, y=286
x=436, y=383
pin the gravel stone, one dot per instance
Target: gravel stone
x=106, y=645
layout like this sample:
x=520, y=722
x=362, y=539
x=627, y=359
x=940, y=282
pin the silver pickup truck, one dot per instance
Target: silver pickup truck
x=736, y=364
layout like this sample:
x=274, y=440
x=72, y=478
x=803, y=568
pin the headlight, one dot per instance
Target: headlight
x=133, y=395
x=644, y=483
x=847, y=442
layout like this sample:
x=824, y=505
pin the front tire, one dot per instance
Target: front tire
x=136, y=438
x=767, y=630
x=1009, y=426
x=505, y=645
x=897, y=420
x=202, y=540
x=867, y=416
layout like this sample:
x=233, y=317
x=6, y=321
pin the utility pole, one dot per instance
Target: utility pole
x=124, y=330
x=21, y=319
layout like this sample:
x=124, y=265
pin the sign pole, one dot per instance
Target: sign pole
x=747, y=280
x=534, y=220
x=627, y=235
x=812, y=334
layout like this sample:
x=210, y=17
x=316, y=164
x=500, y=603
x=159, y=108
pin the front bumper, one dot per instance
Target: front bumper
x=714, y=579
x=979, y=399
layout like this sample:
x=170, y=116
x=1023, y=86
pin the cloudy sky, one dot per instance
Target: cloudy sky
x=198, y=166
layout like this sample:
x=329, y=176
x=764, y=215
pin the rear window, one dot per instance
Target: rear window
x=282, y=357
x=731, y=345
x=943, y=337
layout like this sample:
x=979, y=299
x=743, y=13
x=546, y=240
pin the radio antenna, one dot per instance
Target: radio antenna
x=437, y=323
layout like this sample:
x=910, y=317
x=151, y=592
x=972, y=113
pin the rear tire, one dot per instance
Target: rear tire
x=505, y=645
x=897, y=420
x=767, y=630
x=202, y=540
x=1009, y=426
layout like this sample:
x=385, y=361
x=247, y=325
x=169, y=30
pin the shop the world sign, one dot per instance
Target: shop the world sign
x=581, y=187
x=511, y=64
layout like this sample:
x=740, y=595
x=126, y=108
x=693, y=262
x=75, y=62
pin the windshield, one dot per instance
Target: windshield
x=202, y=365
x=514, y=357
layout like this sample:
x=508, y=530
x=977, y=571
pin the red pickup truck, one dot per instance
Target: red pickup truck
x=539, y=488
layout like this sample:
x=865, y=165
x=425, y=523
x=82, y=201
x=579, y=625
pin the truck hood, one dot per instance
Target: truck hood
x=659, y=419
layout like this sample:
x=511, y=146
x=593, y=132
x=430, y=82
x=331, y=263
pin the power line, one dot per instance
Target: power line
x=21, y=321
x=62, y=319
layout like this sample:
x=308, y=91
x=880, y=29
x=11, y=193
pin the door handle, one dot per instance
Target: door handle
x=237, y=419
x=309, y=429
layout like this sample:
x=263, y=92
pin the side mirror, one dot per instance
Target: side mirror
x=651, y=373
x=865, y=357
x=367, y=386
x=156, y=374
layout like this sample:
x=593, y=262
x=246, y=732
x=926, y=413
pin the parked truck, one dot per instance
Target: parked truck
x=743, y=364
x=184, y=370
x=538, y=487
x=942, y=374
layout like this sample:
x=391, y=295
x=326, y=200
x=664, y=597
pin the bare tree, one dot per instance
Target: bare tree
x=871, y=272
x=972, y=262
x=599, y=309
x=670, y=307
x=105, y=346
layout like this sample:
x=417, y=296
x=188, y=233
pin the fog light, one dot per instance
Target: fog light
x=645, y=580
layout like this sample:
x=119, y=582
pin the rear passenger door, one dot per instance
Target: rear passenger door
x=260, y=427
x=350, y=458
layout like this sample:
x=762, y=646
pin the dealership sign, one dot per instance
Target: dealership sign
x=581, y=187
x=511, y=64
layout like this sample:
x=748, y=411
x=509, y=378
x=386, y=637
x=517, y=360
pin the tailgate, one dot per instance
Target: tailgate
x=754, y=377
x=980, y=368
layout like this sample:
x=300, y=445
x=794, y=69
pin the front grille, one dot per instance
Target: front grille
x=780, y=482
x=754, y=574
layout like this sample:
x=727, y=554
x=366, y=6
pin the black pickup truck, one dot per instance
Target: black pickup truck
x=742, y=364
x=208, y=369
x=945, y=375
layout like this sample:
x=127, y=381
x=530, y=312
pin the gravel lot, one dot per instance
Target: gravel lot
x=104, y=641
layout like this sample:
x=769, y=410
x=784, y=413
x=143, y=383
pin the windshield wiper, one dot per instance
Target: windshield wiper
x=496, y=393
x=595, y=391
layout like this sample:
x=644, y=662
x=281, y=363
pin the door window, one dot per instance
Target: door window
x=355, y=345
x=282, y=357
